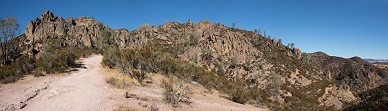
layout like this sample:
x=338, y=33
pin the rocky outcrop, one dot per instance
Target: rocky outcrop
x=83, y=29
x=192, y=41
x=336, y=97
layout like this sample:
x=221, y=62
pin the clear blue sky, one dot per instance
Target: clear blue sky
x=343, y=28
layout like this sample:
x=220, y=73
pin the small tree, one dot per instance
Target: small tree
x=291, y=45
x=258, y=31
x=274, y=85
x=9, y=28
x=207, y=55
x=280, y=42
x=190, y=22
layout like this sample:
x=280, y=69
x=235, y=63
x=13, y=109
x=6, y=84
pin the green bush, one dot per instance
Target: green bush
x=17, y=69
x=60, y=60
x=111, y=58
x=7, y=74
x=57, y=61
x=373, y=100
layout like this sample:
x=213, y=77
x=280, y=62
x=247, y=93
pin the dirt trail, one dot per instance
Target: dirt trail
x=82, y=90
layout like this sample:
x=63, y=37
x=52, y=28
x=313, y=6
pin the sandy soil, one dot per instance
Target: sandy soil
x=86, y=90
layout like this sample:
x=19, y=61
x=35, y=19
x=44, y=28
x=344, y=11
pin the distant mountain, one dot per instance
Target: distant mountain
x=377, y=60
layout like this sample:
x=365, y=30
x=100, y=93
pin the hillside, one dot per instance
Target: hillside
x=245, y=66
x=371, y=100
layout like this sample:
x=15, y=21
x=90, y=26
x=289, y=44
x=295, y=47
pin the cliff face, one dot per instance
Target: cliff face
x=233, y=53
x=85, y=30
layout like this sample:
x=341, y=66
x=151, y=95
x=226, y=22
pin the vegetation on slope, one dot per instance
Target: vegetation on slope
x=151, y=59
x=372, y=100
x=54, y=58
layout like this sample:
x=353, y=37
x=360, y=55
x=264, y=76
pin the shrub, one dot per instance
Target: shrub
x=175, y=92
x=111, y=58
x=247, y=64
x=120, y=81
x=56, y=62
x=240, y=95
x=207, y=55
x=22, y=66
x=9, y=79
x=193, y=40
x=233, y=63
x=273, y=87
x=60, y=60
x=50, y=45
x=112, y=80
x=219, y=67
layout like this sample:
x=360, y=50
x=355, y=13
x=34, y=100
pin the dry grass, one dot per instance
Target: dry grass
x=126, y=108
x=119, y=80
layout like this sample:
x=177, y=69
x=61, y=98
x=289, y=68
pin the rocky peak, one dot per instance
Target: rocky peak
x=145, y=27
x=48, y=16
x=84, y=29
x=203, y=24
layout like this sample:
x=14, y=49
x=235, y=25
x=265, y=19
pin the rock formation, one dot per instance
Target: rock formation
x=85, y=29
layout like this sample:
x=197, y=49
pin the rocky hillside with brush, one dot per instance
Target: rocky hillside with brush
x=246, y=66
